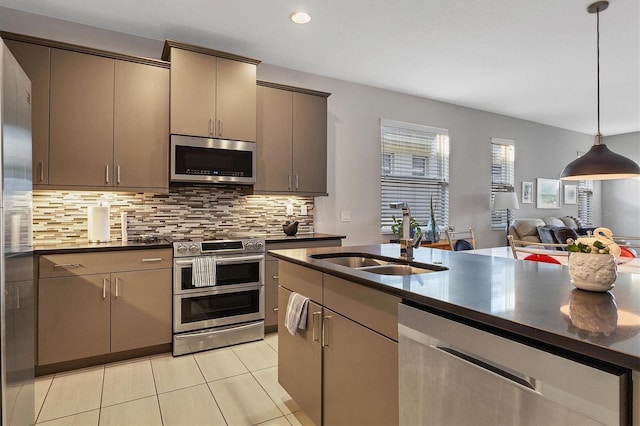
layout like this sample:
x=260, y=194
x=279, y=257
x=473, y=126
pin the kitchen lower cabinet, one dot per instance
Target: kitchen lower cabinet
x=272, y=276
x=300, y=360
x=342, y=369
x=140, y=309
x=360, y=374
x=73, y=318
x=93, y=304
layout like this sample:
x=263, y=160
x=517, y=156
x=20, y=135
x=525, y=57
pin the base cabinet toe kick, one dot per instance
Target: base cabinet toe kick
x=454, y=374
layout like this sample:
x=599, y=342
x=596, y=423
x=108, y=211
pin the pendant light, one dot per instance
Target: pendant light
x=600, y=163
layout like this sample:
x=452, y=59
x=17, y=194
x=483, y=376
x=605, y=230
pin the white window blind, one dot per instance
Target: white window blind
x=585, y=202
x=502, y=177
x=414, y=168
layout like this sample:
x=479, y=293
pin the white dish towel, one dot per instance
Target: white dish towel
x=202, y=274
x=296, y=315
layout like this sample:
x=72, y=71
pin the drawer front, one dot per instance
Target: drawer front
x=305, y=281
x=61, y=265
x=364, y=305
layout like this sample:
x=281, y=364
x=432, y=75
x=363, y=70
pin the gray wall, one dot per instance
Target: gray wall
x=621, y=198
x=353, y=140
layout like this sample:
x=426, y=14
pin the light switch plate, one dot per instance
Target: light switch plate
x=303, y=210
x=345, y=216
x=289, y=209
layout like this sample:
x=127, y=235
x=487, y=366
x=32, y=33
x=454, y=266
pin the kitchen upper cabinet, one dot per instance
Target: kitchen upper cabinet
x=141, y=126
x=34, y=60
x=292, y=140
x=100, y=119
x=81, y=114
x=213, y=94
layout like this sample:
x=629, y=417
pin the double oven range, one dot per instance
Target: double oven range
x=218, y=293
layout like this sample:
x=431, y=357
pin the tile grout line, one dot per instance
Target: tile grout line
x=211, y=390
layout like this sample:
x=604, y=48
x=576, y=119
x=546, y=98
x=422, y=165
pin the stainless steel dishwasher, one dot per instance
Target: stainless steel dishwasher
x=455, y=374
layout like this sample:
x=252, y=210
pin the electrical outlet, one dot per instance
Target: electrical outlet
x=303, y=210
x=345, y=216
x=289, y=209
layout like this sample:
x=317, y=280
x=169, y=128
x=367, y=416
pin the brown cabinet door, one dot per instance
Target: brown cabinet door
x=193, y=93
x=271, y=292
x=141, y=126
x=140, y=309
x=34, y=60
x=273, y=145
x=300, y=359
x=310, y=143
x=360, y=374
x=73, y=318
x=236, y=100
x=81, y=127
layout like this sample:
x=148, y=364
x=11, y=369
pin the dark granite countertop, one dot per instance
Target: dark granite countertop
x=314, y=236
x=86, y=246
x=529, y=300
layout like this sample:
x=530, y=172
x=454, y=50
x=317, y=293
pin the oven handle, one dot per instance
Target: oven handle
x=184, y=262
x=241, y=259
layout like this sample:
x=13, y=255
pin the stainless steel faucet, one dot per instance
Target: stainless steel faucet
x=406, y=243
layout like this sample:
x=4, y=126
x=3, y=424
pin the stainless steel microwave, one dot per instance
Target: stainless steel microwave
x=204, y=160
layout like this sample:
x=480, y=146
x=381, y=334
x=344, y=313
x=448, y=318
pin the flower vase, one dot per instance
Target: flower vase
x=593, y=272
x=432, y=232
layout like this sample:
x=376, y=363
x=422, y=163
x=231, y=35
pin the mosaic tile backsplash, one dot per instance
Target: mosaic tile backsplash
x=185, y=212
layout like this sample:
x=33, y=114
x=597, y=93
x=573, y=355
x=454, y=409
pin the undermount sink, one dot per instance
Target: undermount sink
x=380, y=265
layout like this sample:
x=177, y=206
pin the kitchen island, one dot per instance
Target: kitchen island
x=527, y=302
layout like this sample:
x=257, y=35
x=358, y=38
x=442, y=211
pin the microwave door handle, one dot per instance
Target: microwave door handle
x=243, y=259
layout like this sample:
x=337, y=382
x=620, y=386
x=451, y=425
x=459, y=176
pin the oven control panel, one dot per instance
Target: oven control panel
x=200, y=248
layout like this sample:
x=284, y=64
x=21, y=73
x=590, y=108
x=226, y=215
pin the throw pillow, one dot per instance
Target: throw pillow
x=545, y=234
x=564, y=233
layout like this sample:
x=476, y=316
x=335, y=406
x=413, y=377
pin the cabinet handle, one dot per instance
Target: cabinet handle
x=324, y=340
x=152, y=259
x=276, y=277
x=67, y=265
x=313, y=324
x=118, y=173
x=275, y=309
x=117, y=281
x=106, y=174
x=289, y=181
x=219, y=127
x=104, y=288
x=18, y=298
x=297, y=182
x=211, y=131
x=41, y=168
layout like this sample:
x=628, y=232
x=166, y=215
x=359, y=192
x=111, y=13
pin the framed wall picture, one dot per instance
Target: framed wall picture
x=548, y=193
x=570, y=194
x=527, y=192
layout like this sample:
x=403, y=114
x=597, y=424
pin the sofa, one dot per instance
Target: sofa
x=553, y=230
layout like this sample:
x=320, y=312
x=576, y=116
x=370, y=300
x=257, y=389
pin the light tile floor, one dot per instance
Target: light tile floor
x=228, y=386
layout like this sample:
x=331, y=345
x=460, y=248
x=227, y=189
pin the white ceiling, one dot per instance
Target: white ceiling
x=533, y=59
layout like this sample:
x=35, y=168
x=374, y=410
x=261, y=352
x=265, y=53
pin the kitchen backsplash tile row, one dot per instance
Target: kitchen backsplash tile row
x=189, y=211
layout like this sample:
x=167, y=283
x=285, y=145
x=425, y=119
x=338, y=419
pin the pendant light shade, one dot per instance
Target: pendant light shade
x=600, y=163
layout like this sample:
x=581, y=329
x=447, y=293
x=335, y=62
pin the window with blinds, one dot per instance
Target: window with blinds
x=414, y=168
x=502, y=177
x=585, y=202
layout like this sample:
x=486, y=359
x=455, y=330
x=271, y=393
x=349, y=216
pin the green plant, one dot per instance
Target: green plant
x=396, y=227
x=597, y=248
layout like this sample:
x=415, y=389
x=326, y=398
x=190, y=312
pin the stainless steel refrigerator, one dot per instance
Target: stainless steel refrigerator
x=16, y=271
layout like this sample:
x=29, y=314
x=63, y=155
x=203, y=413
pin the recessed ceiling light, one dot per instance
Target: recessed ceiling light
x=300, y=17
